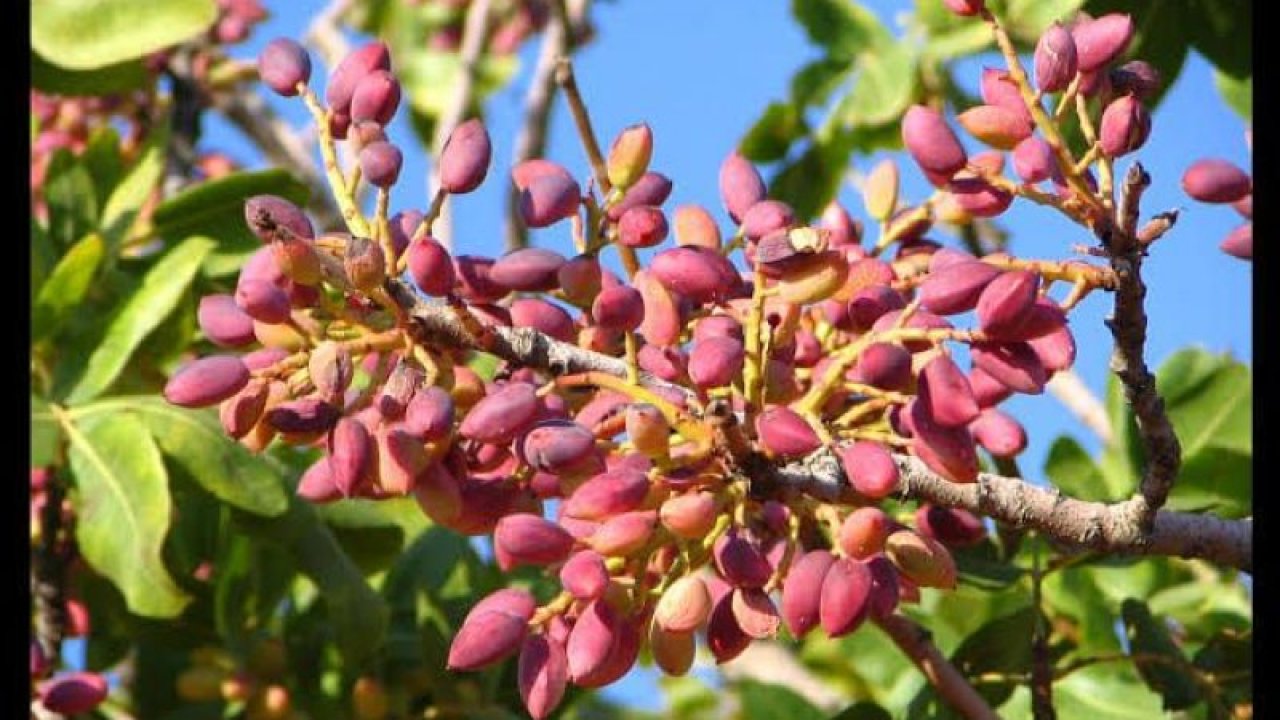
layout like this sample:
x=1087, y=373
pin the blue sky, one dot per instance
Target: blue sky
x=700, y=73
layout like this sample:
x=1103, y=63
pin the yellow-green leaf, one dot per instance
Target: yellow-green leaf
x=87, y=34
x=123, y=510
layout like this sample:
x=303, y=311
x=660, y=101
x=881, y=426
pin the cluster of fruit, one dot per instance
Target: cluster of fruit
x=651, y=494
x=1218, y=181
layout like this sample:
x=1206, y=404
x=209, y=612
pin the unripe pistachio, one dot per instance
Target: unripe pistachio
x=629, y=156
x=1055, y=59
x=1126, y=124
x=464, y=160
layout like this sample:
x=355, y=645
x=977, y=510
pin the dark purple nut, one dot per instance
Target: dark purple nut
x=223, y=322
x=1136, y=77
x=263, y=301
x=464, y=160
x=240, y=412
x=740, y=185
x=1006, y=300
x=1100, y=40
x=1214, y=180
x=950, y=452
x=953, y=527
x=303, y=416
x=207, y=381
x=931, y=142
x=493, y=630
x=474, y=283
x=501, y=416
x=725, y=638
x=979, y=198
x=846, y=594
x=380, y=164
x=883, y=365
x=999, y=433
x=653, y=188
x=351, y=70
x=282, y=64
x=528, y=269
x=73, y=693
x=697, y=273
x=1239, y=243
x=619, y=308
x=740, y=561
x=998, y=88
x=528, y=539
x=870, y=469
x=666, y=363
x=403, y=225
x=956, y=287
x=783, y=432
x=617, y=491
x=1126, y=124
x=264, y=213
x=548, y=199
x=351, y=454
x=1033, y=160
x=642, y=226
x=767, y=216
x=716, y=362
x=339, y=124
x=945, y=393
x=430, y=267
x=1055, y=59
x=376, y=98
x=429, y=414
x=1014, y=364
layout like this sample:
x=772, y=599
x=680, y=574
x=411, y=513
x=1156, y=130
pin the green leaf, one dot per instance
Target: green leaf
x=1074, y=592
x=814, y=83
x=216, y=209
x=87, y=34
x=1073, y=472
x=761, y=701
x=66, y=287
x=1173, y=678
x=194, y=440
x=863, y=711
x=484, y=364
x=1229, y=657
x=1238, y=94
x=46, y=433
x=1112, y=692
x=1027, y=19
x=1222, y=32
x=978, y=566
x=1162, y=34
x=128, y=197
x=161, y=289
x=102, y=158
x=843, y=27
x=429, y=77
x=110, y=79
x=123, y=510
x=1002, y=645
x=967, y=39
x=884, y=87
x=1208, y=400
x=357, y=615
x=69, y=194
x=772, y=135
x=810, y=181
x=1215, y=479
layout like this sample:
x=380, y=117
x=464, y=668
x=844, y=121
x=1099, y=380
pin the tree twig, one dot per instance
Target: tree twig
x=475, y=31
x=1070, y=390
x=914, y=641
x=283, y=147
x=1113, y=528
x=1128, y=325
x=531, y=141
x=49, y=569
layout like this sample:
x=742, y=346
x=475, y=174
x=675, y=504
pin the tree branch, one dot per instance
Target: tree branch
x=531, y=141
x=1128, y=325
x=282, y=146
x=1113, y=528
x=475, y=31
x=1070, y=390
x=914, y=641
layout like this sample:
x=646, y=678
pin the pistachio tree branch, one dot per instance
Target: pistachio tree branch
x=915, y=642
x=475, y=31
x=1114, y=528
x=1128, y=325
x=531, y=141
